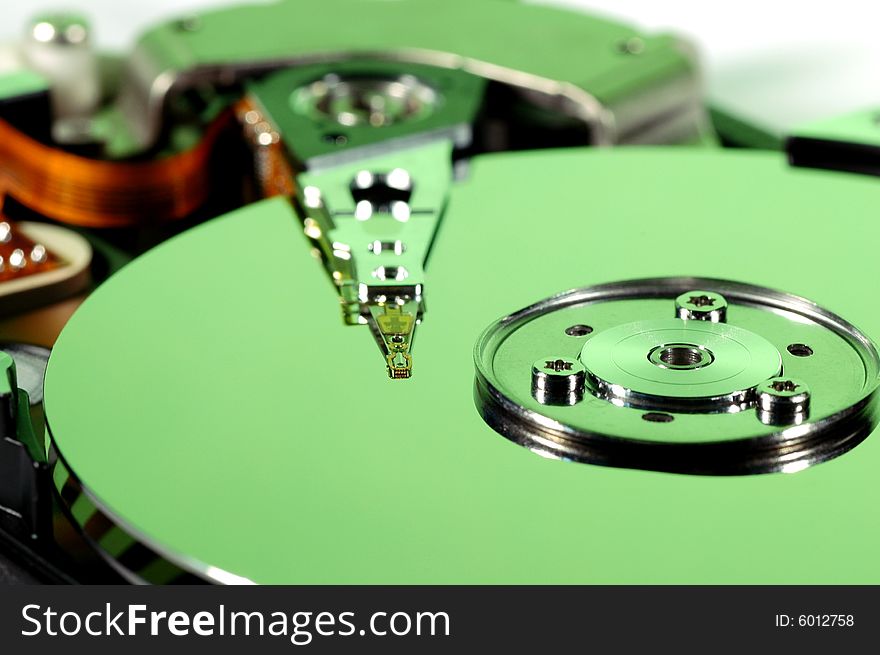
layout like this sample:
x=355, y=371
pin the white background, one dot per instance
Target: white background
x=777, y=63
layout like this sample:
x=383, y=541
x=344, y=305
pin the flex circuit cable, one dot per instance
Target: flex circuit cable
x=96, y=193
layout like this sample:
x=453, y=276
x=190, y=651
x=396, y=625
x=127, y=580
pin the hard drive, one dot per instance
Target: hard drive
x=643, y=364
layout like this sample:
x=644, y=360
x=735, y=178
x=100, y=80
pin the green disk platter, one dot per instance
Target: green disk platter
x=209, y=407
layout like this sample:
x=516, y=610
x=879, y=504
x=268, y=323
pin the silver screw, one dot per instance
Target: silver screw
x=701, y=306
x=558, y=381
x=783, y=401
x=631, y=46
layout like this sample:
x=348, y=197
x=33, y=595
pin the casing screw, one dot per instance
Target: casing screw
x=701, y=306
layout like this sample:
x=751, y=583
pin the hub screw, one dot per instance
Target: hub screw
x=558, y=381
x=783, y=401
x=701, y=306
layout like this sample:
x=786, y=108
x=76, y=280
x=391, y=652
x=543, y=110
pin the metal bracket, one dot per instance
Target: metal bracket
x=655, y=95
x=375, y=245
x=25, y=499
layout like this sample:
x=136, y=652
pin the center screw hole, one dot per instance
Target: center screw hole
x=681, y=356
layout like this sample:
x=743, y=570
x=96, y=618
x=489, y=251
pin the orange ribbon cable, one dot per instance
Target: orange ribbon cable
x=95, y=193
x=274, y=174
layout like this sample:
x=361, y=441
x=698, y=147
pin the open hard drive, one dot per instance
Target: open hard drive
x=642, y=356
